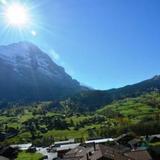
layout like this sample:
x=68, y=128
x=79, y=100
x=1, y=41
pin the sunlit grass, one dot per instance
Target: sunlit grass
x=29, y=156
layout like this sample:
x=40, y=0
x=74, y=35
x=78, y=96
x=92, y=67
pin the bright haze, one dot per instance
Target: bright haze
x=101, y=43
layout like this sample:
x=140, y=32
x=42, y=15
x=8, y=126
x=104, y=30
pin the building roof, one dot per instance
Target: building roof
x=118, y=154
x=112, y=151
x=67, y=146
x=76, y=153
x=83, y=153
x=100, y=140
x=139, y=155
x=124, y=138
x=97, y=151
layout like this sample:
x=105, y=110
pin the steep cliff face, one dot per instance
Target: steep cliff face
x=27, y=73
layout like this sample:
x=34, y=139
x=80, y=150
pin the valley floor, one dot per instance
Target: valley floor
x=41, y=124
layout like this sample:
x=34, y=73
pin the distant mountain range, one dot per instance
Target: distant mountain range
x=93, y=99
x=27, y=73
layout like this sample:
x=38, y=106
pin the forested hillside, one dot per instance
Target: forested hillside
x=41, y=122
x=94, y=99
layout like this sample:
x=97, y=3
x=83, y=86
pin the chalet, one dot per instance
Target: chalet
x=84, y=152
x=124, y=138
x=63, y=149
x=60, y=143
x=103, y=152
x=131, y=141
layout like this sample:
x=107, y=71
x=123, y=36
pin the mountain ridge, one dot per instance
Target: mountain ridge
x=95, y=99
x=28, y=73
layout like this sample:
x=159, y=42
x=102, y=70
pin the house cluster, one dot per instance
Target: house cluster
x=102, y=152
x=124, y=147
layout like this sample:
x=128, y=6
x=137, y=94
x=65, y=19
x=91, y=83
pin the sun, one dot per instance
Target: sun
x=16, y=15
x=19, y=19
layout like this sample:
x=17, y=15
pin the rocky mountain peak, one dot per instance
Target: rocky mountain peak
x=28, y=69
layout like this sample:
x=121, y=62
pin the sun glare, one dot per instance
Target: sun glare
x=20, y=19
x=16, y=15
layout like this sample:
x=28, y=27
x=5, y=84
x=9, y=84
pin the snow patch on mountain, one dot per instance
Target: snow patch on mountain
x=29, y=56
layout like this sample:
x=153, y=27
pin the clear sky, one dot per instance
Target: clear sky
x=101, y=43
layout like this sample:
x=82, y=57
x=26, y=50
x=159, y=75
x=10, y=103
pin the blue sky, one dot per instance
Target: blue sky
x=101, y=43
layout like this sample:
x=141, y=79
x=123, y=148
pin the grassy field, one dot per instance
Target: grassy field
x=124, y=112
x=77, y=119
x=66, y=134
x=29, y=156
x=134, y=108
